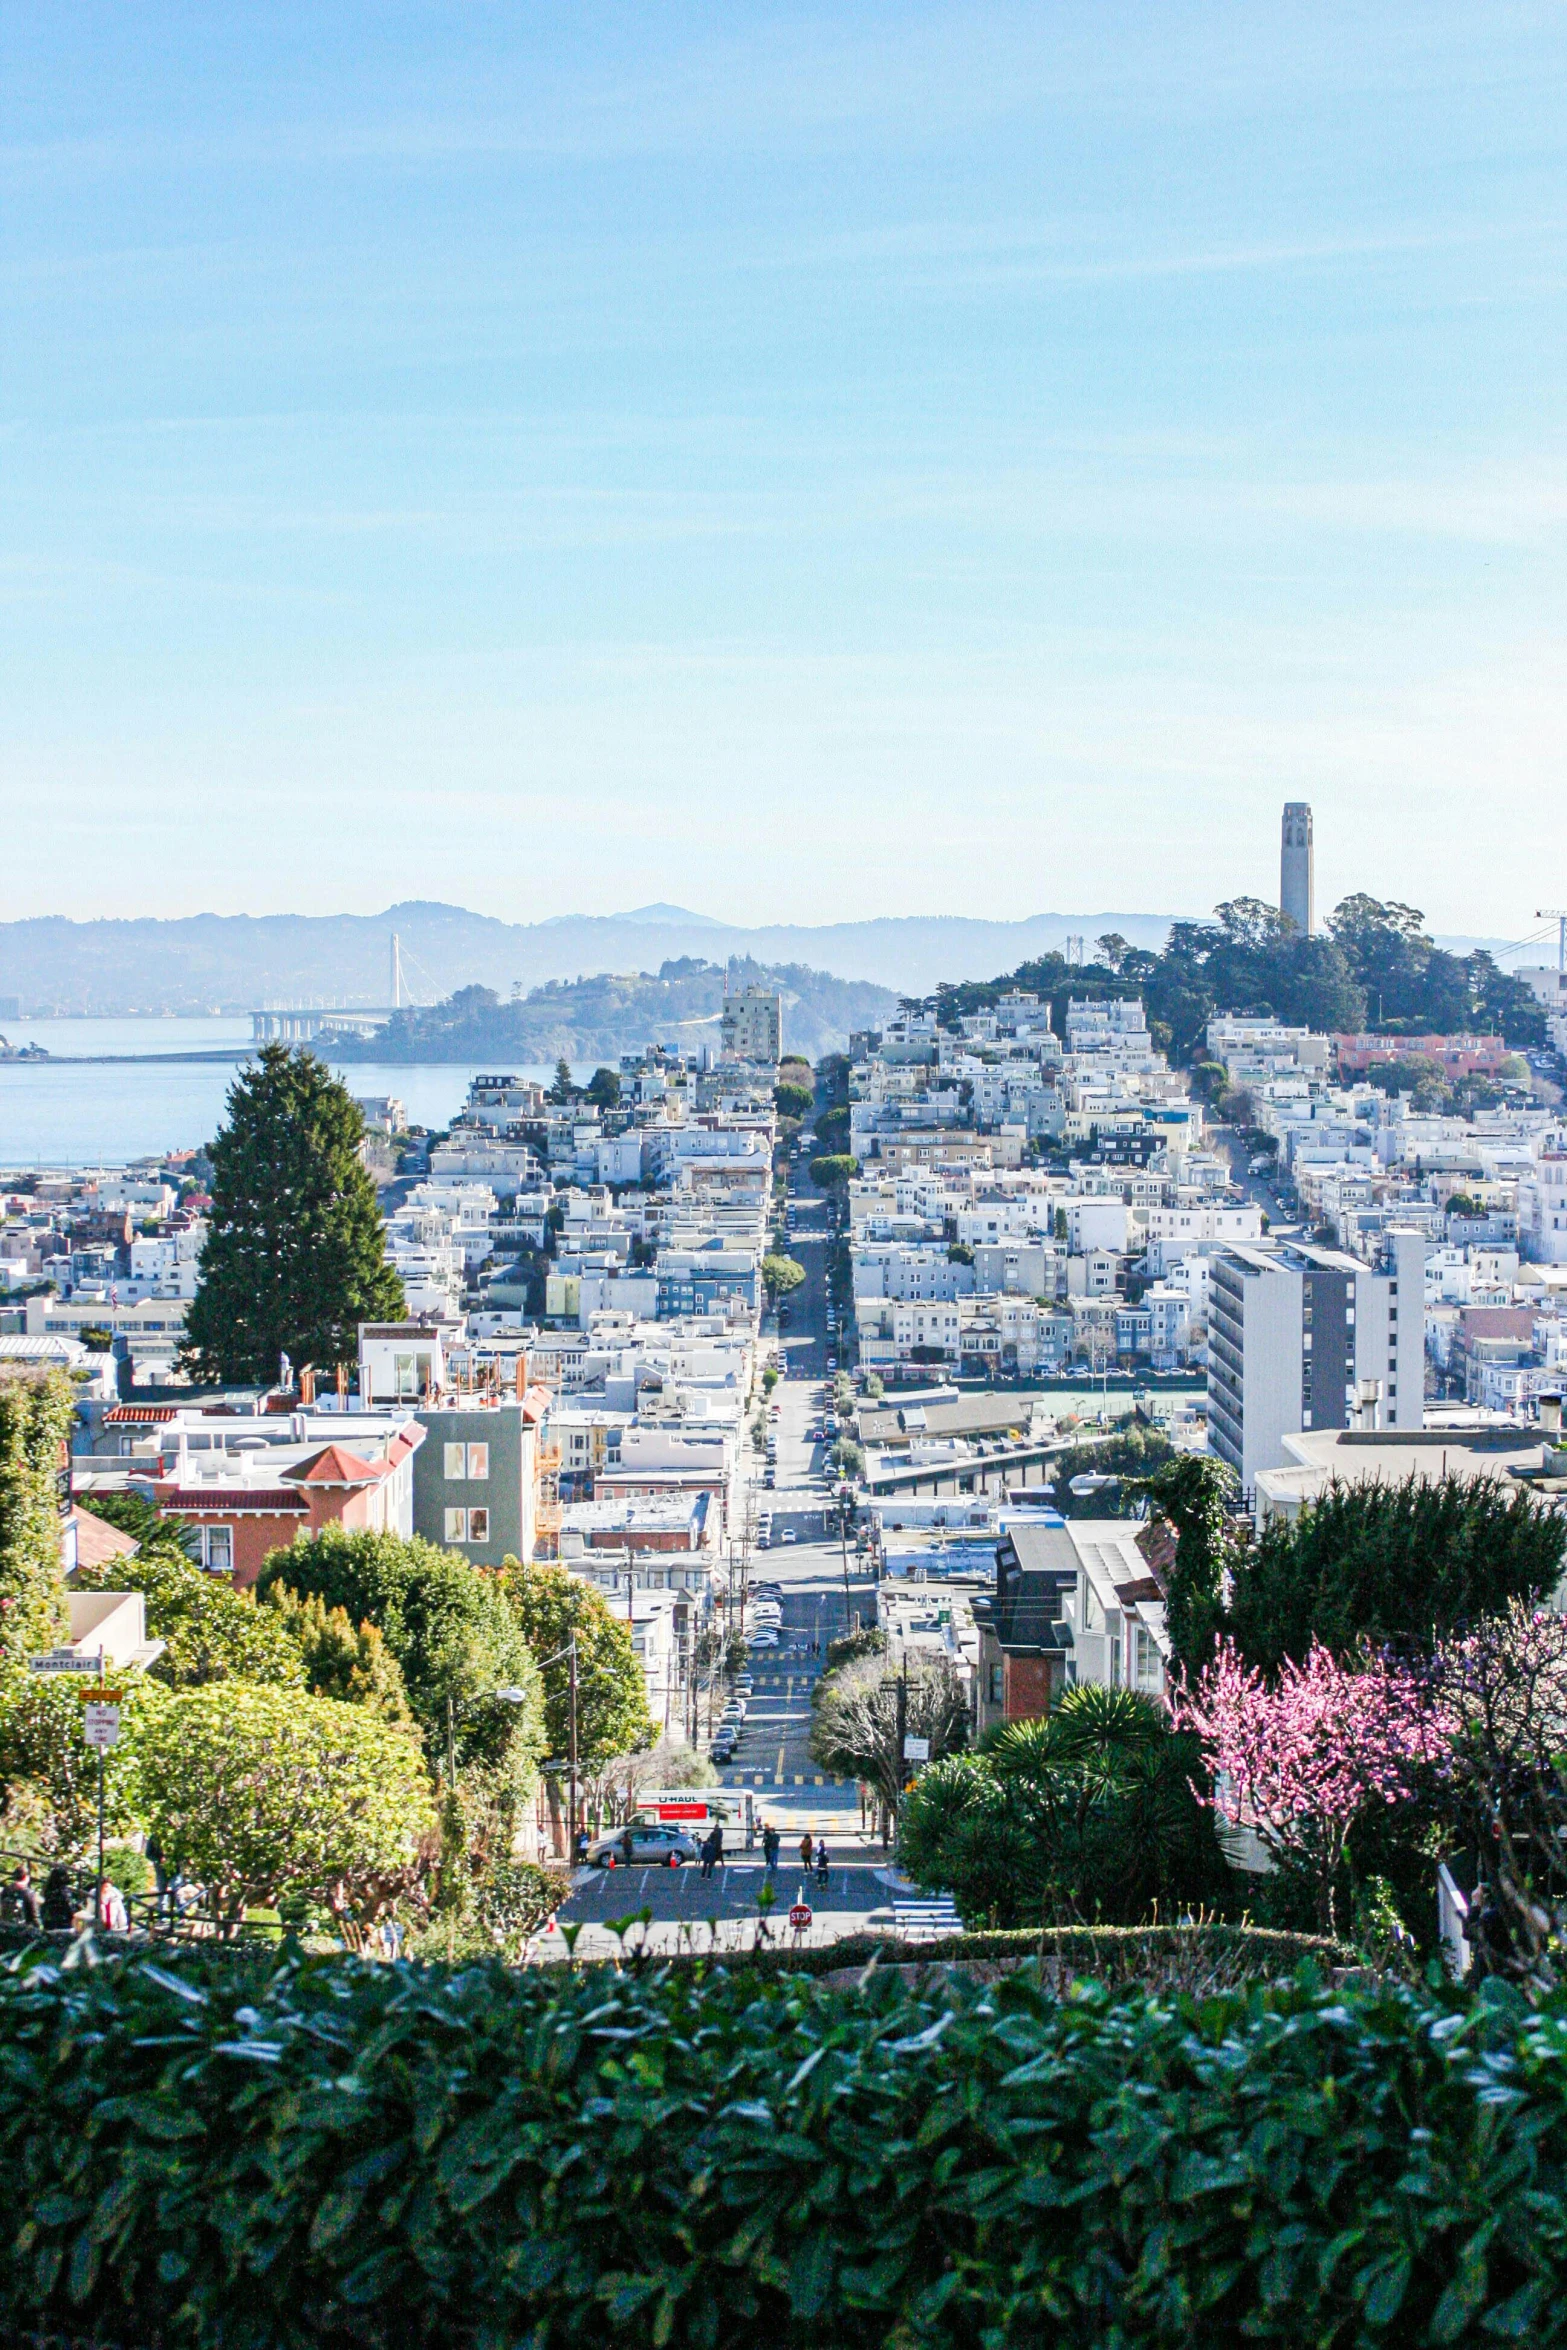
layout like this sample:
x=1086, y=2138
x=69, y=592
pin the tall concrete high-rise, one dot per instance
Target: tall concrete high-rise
x=1297, y=880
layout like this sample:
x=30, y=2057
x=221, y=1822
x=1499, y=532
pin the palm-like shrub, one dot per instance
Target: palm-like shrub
x=1084, y=1814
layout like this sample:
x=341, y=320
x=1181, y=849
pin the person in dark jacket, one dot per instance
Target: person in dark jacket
x=59, y=1909
x=770, y=1844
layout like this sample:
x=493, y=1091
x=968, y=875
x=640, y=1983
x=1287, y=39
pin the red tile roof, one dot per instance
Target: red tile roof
x=334, y=1464
x=97, y=1541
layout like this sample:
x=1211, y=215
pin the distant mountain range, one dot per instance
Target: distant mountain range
x=240, y=962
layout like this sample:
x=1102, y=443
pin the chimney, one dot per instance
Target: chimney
x=307, y=1384
x=1551, y=1415
x=1369, y=1408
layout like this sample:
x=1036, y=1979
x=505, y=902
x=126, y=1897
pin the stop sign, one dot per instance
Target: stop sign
x=800, y=1916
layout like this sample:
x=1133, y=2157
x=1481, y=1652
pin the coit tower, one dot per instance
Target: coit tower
x=1296, y=879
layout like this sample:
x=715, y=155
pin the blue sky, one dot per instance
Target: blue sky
x=797, y=463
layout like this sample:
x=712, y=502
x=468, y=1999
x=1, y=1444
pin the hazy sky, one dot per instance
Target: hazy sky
x=795, y=462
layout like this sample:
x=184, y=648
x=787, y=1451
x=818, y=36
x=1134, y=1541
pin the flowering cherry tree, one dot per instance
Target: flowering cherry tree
x=1300, y=1759
x=1503, y=1684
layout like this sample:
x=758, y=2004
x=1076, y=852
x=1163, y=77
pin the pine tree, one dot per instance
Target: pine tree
x=294, y=1259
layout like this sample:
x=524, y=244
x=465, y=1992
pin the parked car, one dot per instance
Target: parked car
x=762, y=1640
x=788, y=1535
x=651, y=1840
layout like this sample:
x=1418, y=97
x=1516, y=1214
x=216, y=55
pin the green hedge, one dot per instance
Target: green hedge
x=1146, y=1955
x=267, y=2153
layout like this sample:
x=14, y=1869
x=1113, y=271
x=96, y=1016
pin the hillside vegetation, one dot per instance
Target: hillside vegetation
x=620, y=1012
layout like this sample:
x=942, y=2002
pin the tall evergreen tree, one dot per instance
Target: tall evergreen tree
x=294, y=1257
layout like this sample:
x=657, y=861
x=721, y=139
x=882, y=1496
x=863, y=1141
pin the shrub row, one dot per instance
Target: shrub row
x=1220, y=1955
x=257, y=2151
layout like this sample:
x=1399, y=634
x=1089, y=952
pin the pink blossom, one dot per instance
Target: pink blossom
x=1300, y=1759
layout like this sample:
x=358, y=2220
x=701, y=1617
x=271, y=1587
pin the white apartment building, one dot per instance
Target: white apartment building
x=752, y=1025
x=1251, y=1049
x=1174, y=1233
x=1542, y=1208
x=1302, y=1337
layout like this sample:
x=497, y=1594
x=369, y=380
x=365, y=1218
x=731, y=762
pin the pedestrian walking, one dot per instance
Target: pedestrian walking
x=159, y=1874
x=712, y=1849
x=627, y=1847
x=24, y=1896
x=112, y=1914
x=770, y=1843
x=807, y=1851
x=59, y=1908
x=821, y=1860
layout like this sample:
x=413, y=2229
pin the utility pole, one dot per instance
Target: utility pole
x=571, y=1834
x=98, y=1903
x=903, y=1713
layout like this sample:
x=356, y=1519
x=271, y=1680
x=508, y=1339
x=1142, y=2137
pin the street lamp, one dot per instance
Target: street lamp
x=508, y=1694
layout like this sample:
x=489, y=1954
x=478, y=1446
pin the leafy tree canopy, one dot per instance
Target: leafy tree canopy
x=49, y=1774
x=793, y=1101
x=448, y=1625
x=1132, y=1453
x=834, y=1170
x=294, y=1258
x=832, y=1131
x=1373, y=966
x=550, y=1606
x=1401, y=1564
x=854, y=1731
x=781, y=1274
x=276, y=1796
x=36, y=1417
x=1195, y=1491
x=352, y=1664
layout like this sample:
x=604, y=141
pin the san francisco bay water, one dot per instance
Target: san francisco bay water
x=84, y=1107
